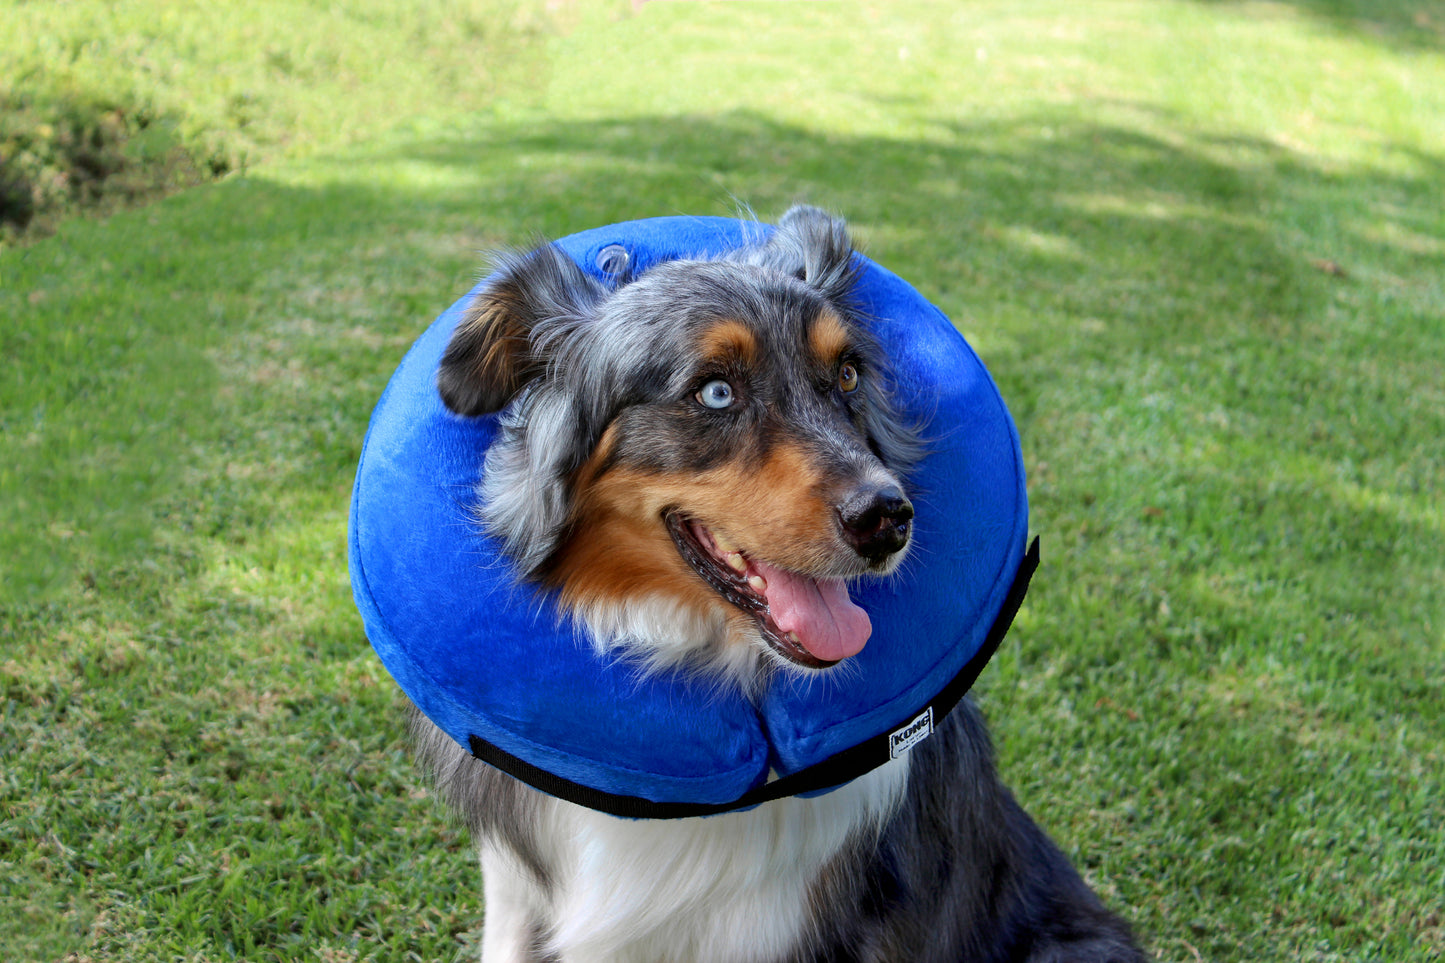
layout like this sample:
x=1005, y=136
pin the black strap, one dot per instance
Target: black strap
x=835, y=770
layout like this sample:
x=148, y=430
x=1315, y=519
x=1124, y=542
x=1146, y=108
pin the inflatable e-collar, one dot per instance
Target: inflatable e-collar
x=493, y=664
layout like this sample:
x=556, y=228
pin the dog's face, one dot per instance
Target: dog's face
x=710, y=442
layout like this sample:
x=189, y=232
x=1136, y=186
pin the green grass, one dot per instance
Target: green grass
x=104, y=105
x=1199, y=245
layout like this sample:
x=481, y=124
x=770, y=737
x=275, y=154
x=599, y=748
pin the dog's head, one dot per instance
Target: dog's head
x=700, y=459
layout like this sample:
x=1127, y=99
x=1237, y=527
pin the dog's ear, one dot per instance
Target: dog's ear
x=500, y=343
x=814, y=247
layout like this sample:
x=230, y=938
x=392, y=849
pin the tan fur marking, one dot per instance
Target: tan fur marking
x=493, y=319
x=590, y=469
x=828, y=337
x=620, y=548
x=728, y=340
x=619, y=553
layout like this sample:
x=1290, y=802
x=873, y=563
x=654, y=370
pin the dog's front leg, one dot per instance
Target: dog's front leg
x=511, y=927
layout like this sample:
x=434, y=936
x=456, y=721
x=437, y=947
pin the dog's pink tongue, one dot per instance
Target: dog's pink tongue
x=818, y=611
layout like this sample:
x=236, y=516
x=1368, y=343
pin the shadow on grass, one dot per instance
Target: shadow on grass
x=1407, y=25
x=1219, y=356
x=1065, y=249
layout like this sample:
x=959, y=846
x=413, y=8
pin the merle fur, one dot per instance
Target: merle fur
x=562, y=359
x=958, y=871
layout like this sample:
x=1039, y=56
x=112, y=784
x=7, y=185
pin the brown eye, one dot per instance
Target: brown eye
x=848, y=378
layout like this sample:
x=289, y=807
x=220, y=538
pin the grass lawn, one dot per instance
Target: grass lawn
x=1200, y=245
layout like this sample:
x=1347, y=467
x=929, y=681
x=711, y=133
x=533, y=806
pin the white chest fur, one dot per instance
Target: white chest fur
x=723, y=888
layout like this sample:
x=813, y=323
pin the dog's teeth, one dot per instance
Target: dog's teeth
x=758, y=583
x=724, y=544
x=736, y=562
x=793, y=638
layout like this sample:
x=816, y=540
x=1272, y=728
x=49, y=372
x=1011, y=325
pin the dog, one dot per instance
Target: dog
x=698, y=461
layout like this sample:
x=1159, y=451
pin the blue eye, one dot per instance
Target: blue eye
x=715, y=394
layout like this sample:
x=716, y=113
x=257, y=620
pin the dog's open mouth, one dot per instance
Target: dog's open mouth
x=810, y=621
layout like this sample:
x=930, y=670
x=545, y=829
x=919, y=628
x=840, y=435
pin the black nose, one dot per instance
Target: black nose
x=877, y=521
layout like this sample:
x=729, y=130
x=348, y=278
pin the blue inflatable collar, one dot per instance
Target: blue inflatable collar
x=504, y=674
